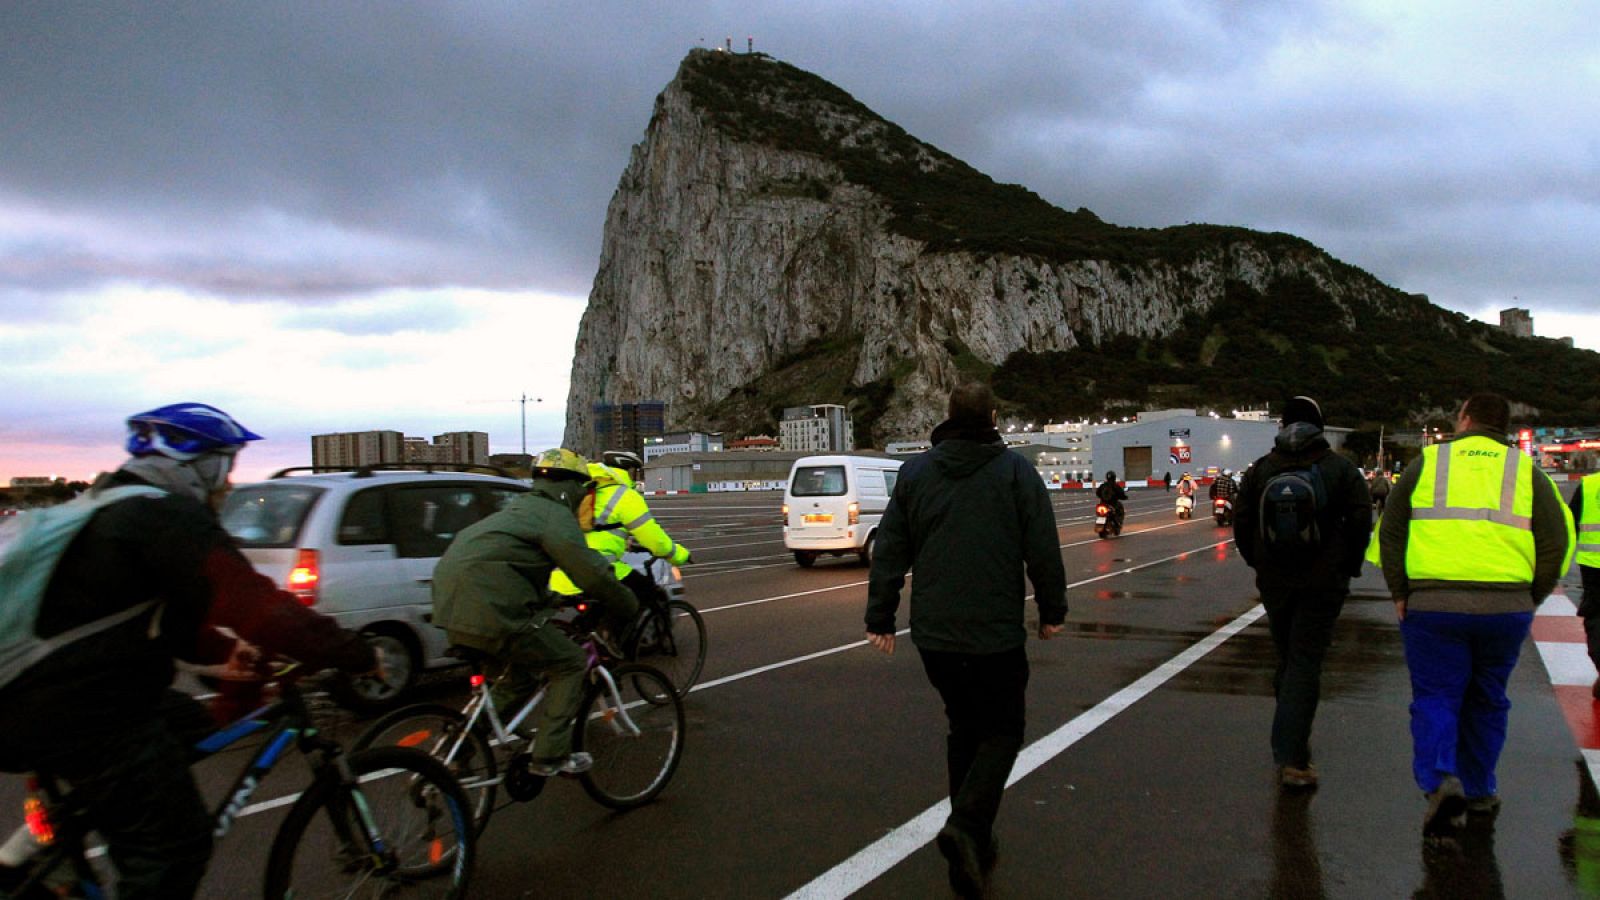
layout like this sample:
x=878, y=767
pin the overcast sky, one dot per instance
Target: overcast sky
x=347, y=216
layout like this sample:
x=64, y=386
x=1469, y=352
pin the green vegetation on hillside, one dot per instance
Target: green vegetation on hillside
x=933, y=196
x=1253, y=348
x=1376, y=362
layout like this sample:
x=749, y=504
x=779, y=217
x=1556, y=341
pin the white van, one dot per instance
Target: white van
x=833, y=505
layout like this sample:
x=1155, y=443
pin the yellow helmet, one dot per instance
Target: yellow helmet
x=559, y=463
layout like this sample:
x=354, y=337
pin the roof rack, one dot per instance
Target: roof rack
x=367, y=470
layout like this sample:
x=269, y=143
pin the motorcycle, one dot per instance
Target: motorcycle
x=1185, y=506
x=1107, y=521
x=1222, y=511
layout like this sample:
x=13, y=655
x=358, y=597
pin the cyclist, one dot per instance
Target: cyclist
x=620, y=512
x=150, y=578
x=1112, y=494
x=491, y=594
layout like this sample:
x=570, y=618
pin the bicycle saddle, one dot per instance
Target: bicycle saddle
x=471, y=655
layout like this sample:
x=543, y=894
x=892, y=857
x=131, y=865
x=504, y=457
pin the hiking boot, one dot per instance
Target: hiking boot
x=966, y=870
x=571, y=764
x=1296, y=777
x=1447, y=808
x=1483, y=806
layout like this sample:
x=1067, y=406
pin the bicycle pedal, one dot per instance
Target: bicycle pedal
x=521, y=783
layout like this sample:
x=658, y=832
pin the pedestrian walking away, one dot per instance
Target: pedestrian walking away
x=1302, y=521
x=1166, y=479
x=972, y=518
x=1474, y=537
x=1380, y=489
x=1585, y=505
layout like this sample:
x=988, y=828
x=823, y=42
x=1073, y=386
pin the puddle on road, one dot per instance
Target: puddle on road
x=1130, y=595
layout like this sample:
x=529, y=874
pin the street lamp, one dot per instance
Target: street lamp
x=525, y=421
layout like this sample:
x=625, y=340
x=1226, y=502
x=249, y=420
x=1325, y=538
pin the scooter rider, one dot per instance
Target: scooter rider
x=1224, y=486
x=1112, y=494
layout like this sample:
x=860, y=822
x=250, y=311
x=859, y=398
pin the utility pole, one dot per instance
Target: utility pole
x=525, y=421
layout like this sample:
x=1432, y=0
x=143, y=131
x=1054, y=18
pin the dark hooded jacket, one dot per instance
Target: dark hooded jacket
x=1345, y=523
x=972, y=518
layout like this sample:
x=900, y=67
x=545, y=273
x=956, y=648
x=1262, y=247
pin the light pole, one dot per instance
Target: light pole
x=525, y=421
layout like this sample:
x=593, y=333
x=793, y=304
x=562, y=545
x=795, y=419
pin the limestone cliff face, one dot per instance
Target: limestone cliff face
x=722, y=254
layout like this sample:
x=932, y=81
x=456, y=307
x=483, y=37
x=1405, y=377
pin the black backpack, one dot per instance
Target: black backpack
x=1290, y=501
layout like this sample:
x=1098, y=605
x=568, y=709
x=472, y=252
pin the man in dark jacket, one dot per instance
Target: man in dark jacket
x=1302, y=587
x=971, y=517
x=99, y=711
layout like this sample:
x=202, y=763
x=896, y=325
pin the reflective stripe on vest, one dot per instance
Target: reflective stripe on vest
x=1589, y=527
x=1472, y=514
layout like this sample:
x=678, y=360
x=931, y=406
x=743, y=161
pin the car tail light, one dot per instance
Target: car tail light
x=304, y=576
x=785, y=514
x=854, y=511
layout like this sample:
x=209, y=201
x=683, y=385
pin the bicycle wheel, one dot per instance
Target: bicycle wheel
x=672, y=638
x=422, y=818
x=631, y=765
x=436, y=730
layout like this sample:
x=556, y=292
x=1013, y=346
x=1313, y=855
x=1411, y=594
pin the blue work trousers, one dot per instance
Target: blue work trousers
x=1459, y=665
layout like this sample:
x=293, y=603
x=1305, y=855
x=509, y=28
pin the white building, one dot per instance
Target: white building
x=823, y=428
x=682, y=442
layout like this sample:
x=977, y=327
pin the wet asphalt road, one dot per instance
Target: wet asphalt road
x=816, y=765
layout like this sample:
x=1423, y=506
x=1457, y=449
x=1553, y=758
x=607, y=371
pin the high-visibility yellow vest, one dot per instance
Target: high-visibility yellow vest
x=620, y=512
x=1589, y=527
x=1472, y=514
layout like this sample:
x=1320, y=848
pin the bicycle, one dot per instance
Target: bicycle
x=630, y=720
x=386, y=821
x=661, y=639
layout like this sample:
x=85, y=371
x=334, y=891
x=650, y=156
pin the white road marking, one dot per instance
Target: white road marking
x=1567, y=662
x=883, y=854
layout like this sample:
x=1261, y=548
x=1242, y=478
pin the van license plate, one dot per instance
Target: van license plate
x=817, y=518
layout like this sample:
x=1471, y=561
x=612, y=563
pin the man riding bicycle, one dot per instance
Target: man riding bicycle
x=621, y=513
x=491, y=594
x=149, y=577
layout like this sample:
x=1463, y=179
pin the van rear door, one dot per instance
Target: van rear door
x=819, y=502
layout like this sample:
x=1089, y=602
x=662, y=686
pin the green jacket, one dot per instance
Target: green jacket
x=492, y=579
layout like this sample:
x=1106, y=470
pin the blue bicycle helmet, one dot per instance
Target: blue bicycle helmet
x=184, y=431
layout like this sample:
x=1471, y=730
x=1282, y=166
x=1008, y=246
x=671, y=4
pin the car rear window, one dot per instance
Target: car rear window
x=268, y=515
x=818, y=481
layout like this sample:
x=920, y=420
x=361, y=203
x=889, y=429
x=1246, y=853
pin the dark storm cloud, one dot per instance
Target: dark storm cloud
x=323, y=150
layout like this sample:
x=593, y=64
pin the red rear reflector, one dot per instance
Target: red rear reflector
x=476, y=680
x=414, y=738
x=583, y=607
x=38, y=820
x=304, y=576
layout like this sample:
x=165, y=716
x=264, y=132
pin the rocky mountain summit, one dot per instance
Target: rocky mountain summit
x=773, y=242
